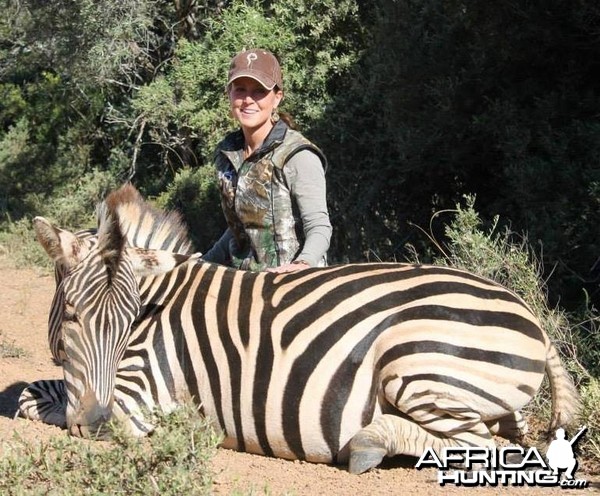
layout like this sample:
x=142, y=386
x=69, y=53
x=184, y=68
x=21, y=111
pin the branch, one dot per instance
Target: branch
x=136, y=149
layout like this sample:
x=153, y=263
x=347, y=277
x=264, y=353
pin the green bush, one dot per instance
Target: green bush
x=185, y=109
x=413, y=103
x=194, y=194
x=174, y=460
x=20, y=248
x=74, y=206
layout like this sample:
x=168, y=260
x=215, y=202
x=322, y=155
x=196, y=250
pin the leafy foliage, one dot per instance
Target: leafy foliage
x=186, y=109
x=173, y=461
x=415, y=104
x=194, y=195
x=452, y=99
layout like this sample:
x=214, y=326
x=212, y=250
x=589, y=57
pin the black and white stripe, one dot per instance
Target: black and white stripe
x=346, y=362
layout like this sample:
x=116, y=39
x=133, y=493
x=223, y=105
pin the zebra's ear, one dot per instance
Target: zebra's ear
x=62, y=246
x=111, y=242
x=155, y=262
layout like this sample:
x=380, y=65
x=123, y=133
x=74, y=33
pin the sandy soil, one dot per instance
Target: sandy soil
x=25, y=299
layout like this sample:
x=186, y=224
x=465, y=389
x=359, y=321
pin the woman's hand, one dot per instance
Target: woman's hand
x=295, y=266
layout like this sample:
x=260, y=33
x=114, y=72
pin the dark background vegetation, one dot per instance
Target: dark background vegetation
x=416, y=103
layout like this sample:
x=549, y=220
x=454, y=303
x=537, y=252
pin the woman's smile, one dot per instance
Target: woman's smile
x=252, y=105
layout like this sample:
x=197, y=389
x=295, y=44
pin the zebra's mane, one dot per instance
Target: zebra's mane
x=142, y=225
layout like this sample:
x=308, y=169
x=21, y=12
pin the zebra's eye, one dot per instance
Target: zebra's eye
x=69, y=313
x=63, y=357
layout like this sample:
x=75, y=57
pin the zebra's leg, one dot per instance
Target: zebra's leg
x=512, y=427
x=45, y=401
x=390, y=435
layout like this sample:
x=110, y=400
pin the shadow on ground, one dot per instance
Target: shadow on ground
x=9, y=399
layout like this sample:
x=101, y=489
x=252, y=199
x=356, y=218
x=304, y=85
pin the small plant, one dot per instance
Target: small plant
x=589, y=449
x=174, y=460
x=10, y=349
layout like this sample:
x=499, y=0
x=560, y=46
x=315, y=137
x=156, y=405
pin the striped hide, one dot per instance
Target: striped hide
x=344, y=364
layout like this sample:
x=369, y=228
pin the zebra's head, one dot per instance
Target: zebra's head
x=97, y=302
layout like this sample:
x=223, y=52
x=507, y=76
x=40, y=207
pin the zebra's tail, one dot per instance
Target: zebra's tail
x=566, y=403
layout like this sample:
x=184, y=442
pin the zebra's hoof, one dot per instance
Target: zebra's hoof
x=365, y=459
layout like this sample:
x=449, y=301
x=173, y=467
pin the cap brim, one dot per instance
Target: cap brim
x=265, y=81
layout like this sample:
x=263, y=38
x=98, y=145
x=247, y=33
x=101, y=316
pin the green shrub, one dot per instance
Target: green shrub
x=19, y=247
x=174, y=460
x=74, y=207
x=587, y=339
x=194, y=194
x=508, y=259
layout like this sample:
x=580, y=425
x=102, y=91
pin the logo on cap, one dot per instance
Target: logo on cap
x=251, y=57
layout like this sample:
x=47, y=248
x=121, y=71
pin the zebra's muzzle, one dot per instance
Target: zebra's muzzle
x=100, y=432
x=91, y=420
x=97, y=429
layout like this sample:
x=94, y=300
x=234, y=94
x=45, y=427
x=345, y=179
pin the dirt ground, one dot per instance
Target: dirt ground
x=25, y=297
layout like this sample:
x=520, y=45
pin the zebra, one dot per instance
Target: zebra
x=45, y=400
x=343, y=364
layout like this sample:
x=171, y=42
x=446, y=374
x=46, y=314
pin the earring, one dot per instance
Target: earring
x=274, y=116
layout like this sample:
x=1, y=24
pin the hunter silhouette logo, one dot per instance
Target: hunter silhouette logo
x=560, y=453
x=507, y=466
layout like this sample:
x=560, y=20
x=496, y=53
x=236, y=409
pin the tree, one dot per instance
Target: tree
x=455, y=98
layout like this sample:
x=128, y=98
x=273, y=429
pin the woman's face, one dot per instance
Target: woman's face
x=252, y=104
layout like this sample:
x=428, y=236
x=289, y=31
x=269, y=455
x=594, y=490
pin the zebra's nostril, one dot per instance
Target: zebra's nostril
x=96, y=429
x=76, y=430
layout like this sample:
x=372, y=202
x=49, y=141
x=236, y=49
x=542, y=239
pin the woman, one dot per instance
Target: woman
x=272, y=179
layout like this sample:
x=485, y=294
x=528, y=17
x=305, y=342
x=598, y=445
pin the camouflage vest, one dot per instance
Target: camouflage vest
x=256, y=200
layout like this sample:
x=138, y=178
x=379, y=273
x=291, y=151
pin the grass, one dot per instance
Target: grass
x=10, y=350
x=174, y=460
x=589, y=448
